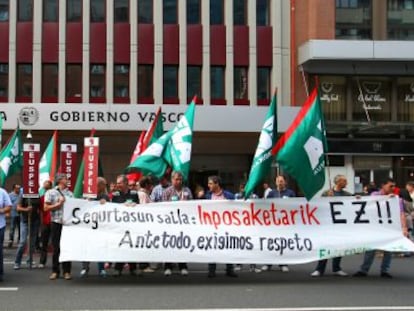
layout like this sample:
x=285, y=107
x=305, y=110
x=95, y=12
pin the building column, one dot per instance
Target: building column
x=229, y=73
x=85, y=50
x=205, y=70
x=280, y=76
x=182, y=68
x=12, y=50
x=62, y=55
x=37, y=52
x=158, y=53
x=252, y=80
x=109, y=51
x=133, y=67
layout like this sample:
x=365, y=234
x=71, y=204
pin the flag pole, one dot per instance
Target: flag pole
x=325, y=147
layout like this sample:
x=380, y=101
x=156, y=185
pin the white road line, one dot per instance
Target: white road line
x=8, y=289
x=369, y=308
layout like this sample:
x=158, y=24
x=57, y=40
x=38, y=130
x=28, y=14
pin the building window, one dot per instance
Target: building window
x=371, y=98
x=145, y=11
x=263, y=12
x=50, y=81
x=193, y=81
x=216, y=12
x=405, y=91
x=239, y=12
x=74, y=10
x=240, y=83
x=73, y=82
x=333, y=97
x=4, y=80
x=170, y=11
x=193, y=12
x=97, y=11
x=170, y=82
x=97, y=81
x=50, y=10
x=400, y=20
x=25, y=10
x=263, y=83
x=24, y=80
x=121, y=81
x=121, y=11
x=145, y=82
x=217, y=82
x=353, y=19
x=4, y=10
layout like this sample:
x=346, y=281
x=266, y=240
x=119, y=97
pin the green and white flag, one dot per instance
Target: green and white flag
x=1, y=129
x=171, y=149
x=11, y=157
x=48, y=163
x=263, y=156
x=301, y=149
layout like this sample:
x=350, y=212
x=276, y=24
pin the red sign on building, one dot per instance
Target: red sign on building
x=90, y=158
x=31, y=158
x=68, y=158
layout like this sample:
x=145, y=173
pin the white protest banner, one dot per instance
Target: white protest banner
x=277, y=231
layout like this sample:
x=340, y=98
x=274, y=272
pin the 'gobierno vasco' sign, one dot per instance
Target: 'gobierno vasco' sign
x=277, y=231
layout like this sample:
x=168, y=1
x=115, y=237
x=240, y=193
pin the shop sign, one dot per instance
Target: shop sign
x=370, y=95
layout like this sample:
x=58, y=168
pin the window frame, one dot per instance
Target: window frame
x=128, y=14
x=71, y=7
x=46, y=83
x=146, y=71
x=21, y=95
x=6, y=12
x=97, y=19
x=165, y=17
x=74, y=97
x=170, y=82
x=144, y=5
x=20, y=8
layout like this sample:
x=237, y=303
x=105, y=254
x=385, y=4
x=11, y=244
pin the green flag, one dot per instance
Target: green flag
x=301, y=150
x=1, y=129
x=11, y=157
x=48, y=163
x=78, y=189
x=171, y=149
x=263, y=156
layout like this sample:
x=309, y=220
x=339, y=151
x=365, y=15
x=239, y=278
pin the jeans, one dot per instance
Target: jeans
x=212, y=267
x=85, y=266
x=181, y=265
x=45, y=236
x=14, y=224
x=336, y=265
x=1, y=251
x=56, y=231
x=24, y=232
x=369, y=259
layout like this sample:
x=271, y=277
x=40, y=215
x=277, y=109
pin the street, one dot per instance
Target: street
x=32, y=290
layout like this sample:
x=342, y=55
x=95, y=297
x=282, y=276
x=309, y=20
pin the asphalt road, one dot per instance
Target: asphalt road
x=31, y=290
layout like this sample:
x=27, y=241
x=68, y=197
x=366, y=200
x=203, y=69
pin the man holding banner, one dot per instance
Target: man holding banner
x=124, y=195
x=387, y=188
x=54, y=201
x=338, y=190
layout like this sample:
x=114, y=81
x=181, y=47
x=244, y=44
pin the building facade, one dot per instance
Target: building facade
x=362, y=53
x=74, y=65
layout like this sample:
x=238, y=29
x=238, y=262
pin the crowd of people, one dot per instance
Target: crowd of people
x=38, y=222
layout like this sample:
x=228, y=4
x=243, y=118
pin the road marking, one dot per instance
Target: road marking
x=369, y=308
x=8, y=289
